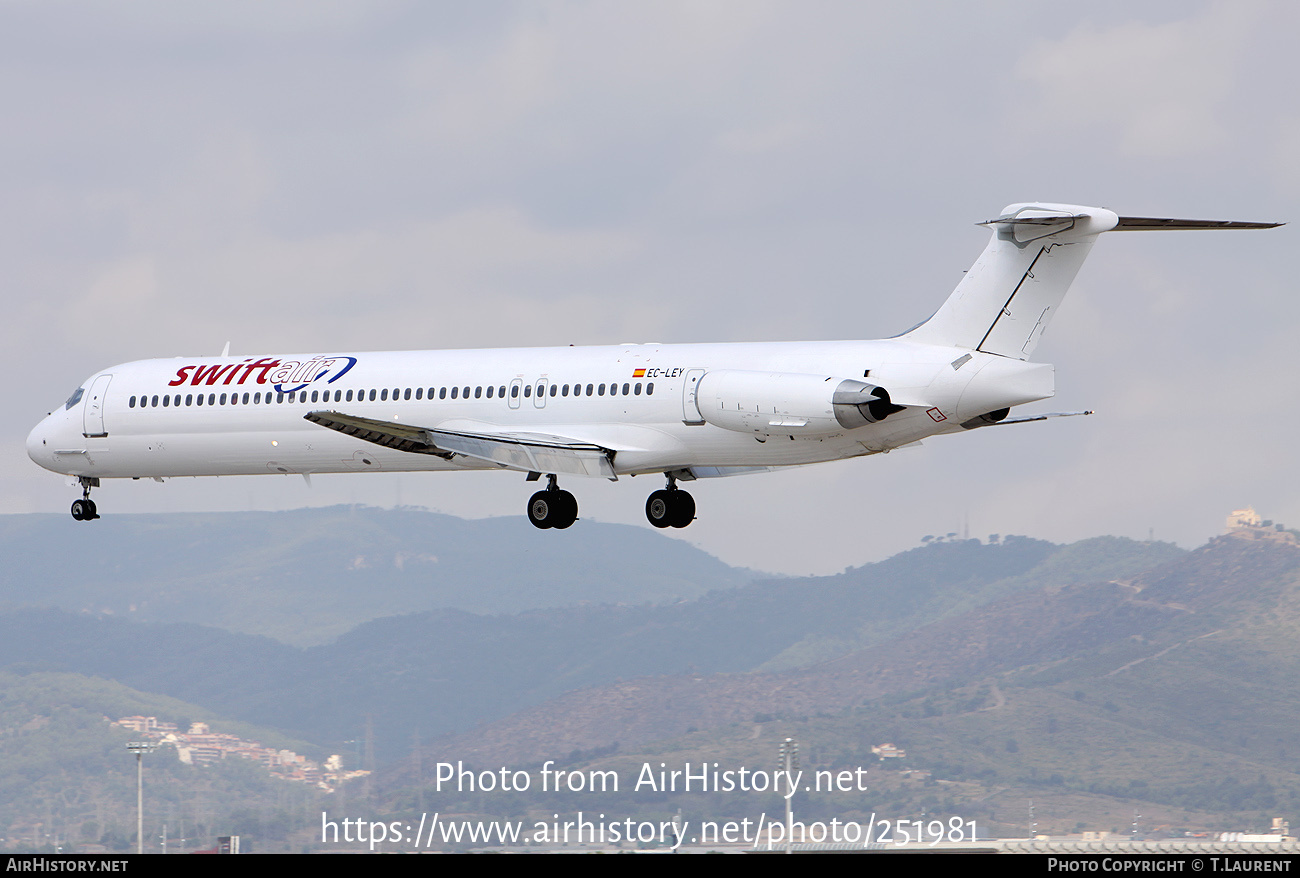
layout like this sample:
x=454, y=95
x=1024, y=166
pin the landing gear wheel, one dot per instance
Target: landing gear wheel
x=541, y=507
x=683, y=509
x=84, y=509
x=659, y=509
x=552, y=508
x=566, y=510
x=670, y=508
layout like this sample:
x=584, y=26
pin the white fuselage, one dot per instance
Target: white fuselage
x=245, y=415
x=688, y=411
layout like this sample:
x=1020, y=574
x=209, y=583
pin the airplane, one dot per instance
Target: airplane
x=686, y=411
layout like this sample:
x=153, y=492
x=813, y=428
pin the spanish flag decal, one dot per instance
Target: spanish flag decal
x=638, y=373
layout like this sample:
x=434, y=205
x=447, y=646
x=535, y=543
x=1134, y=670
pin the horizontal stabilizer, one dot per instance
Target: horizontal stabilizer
x=1138, y=223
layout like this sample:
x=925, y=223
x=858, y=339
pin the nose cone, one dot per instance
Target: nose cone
x=38, y=447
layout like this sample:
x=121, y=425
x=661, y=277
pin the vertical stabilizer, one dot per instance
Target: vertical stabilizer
x=1011, y=293
x=1008, y=297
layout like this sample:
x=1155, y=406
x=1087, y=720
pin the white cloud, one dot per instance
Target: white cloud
x=413, y=175
x=1156, y=89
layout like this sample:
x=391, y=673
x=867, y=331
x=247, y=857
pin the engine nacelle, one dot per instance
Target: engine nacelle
x=790, y=403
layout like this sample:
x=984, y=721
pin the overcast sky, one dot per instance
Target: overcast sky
x=320, y=176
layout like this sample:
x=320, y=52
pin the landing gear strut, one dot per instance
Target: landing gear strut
x=671, y=507
x=552, y=507
x=84, y=509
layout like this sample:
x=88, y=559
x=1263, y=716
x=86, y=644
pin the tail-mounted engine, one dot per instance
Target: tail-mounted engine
x=791, y=403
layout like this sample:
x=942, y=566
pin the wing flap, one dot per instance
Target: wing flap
x=528, y=452
x=403, y=437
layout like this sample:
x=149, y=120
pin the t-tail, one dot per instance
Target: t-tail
x=1006, y=300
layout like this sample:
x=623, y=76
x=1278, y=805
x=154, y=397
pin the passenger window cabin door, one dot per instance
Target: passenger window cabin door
x=93, y=416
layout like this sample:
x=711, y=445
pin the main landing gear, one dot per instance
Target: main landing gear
x=671, y=507
x=84, y=509
x=552, y=507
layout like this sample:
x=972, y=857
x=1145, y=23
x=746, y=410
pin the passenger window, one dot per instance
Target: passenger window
x=419, y=393
x=372, y=395
x=166, y=401
x=501, y=391
x=625, y=389
x=131, y=403
x=564, y=391
x=528, y=390
x=406, y=394
x=514, y=391
x=600, y=391
x=212, y=399
x=383, y=395
x=650, y=389
x=554, y=389
x=491, y=390
x=189, y=399
x=155, y=402
x=588, y=390
x=636, y=391
x=465, y=392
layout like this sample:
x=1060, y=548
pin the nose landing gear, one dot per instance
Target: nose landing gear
x=552, y=507
x=671, y=507
x=84, y=509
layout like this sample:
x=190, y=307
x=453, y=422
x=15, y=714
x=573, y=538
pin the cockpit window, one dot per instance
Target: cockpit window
x=74, y=399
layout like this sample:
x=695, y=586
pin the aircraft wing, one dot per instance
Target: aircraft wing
x=528, y=452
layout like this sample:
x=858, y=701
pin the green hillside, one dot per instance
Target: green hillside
x=308, y=575
x=67, y=779
x=1164, y=694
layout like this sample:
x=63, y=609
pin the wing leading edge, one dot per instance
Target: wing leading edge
x=527, y=452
